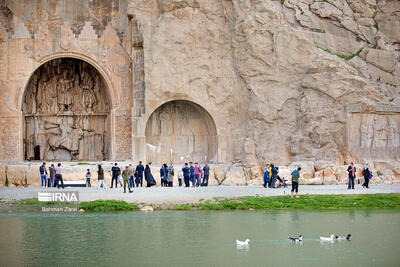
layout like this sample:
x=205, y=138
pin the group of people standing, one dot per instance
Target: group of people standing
x=352, y=176
x=130, y=176
x=51, y=178
x=271, y=176
x=196, y=175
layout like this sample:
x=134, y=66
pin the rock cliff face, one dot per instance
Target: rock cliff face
x=294, y=82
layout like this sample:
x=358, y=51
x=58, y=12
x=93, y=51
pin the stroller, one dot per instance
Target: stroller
x=282, y=182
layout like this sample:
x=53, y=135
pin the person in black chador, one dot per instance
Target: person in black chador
x=148, y=176
x=367, y=176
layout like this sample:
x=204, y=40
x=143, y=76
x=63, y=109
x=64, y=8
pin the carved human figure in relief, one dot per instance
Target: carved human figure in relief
x=100, y=105
x=367, y=132
x=42, y=94
x=31, y=95
x=64, y=98
x=89, y=98
x=165, y=121
x=181, y=124
x=380, y=131
x=77, y=95
x=394, y=135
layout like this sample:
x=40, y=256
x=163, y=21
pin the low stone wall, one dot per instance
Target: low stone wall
x=316, y=173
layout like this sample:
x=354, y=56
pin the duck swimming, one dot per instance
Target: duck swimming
x=242, y=243
x=297, y=239
x=331, y=238
x=348, y=237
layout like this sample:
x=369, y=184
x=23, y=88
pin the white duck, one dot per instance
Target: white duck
x=242, y=243
x=348, y=237
x=331, y=238
x=297, y=239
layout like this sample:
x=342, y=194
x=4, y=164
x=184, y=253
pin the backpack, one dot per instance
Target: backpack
x=295, y=176
x=370, y=175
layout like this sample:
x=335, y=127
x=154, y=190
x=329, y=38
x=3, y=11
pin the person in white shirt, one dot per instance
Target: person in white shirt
x=59, y=176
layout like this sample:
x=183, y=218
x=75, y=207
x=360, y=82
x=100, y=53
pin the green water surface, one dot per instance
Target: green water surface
x=198, y=238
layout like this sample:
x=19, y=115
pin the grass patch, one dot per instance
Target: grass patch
x=339, y=55
x=391, y=100
x=108, y=206
x=304, y=202
x=83, y=163
x=319, y=202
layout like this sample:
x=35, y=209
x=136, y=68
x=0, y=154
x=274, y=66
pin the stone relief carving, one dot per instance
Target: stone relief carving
x=178, y=132
x=375, y=136
x=66, y=112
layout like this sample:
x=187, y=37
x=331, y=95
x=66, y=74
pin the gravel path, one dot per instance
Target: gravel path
x=178, y=195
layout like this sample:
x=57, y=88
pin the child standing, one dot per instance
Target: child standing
x=88, y=175
x=180, y=176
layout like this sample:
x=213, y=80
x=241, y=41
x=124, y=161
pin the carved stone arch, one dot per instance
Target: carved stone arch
x=180, y=131
x=66, y=110
x=111, y=92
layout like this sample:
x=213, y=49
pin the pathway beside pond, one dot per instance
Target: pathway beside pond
x=179, y=195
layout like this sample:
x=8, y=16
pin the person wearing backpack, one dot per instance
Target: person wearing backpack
x=267, y=179
x=295, y=181
x=367, y=176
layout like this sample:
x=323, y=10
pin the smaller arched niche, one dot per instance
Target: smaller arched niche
x=66, y=112
x=180, y=131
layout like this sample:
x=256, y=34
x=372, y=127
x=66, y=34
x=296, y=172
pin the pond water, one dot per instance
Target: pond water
x=198, y=238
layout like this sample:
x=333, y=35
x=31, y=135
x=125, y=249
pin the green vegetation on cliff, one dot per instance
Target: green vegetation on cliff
x=339, y=55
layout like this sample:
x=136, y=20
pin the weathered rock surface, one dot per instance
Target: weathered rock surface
x=309, y=83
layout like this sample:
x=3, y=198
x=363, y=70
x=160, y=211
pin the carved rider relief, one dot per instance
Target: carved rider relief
x=66, y=112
